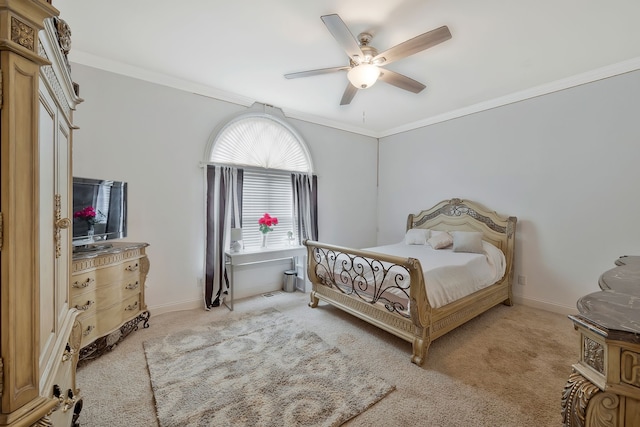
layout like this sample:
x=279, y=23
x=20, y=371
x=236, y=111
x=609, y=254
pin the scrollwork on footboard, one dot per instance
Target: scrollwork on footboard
x=370, y=279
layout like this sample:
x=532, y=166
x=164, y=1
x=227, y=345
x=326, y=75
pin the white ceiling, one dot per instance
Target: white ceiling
x=238, y=50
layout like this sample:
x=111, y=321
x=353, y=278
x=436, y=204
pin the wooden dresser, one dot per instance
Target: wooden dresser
x=107, y=287
x=604, y=386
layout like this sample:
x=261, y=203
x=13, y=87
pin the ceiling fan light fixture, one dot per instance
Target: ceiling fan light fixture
x=364, y=75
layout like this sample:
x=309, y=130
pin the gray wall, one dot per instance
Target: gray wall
x=154, y=137
x=566, y=164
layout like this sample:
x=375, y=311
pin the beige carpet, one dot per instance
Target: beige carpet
x=507, y=367
x=257, y=369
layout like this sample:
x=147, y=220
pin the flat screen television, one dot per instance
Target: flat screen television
x=108, y=201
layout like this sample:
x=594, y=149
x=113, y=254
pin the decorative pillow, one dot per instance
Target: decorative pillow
x=416, y=236
x=440, y=240
x=467, y=241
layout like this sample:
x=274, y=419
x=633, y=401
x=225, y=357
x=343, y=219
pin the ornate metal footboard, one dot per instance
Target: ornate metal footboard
x=387, y=291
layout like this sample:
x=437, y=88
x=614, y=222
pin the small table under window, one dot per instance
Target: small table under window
x=297, y=255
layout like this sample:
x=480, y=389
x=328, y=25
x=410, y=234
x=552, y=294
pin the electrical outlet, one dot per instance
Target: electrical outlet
x=522, y=280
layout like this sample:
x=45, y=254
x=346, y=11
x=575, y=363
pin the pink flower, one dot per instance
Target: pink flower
x=87, y=214
x=266, y=222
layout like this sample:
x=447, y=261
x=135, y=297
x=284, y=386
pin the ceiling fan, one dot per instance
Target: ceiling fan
x=365, y=63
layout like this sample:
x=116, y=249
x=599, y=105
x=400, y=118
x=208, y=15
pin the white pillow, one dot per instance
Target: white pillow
x=416, y=236
x=467, y=241
x=440, y=240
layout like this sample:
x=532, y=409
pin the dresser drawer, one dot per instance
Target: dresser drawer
x=105, y=276
x=105, y=296
x=105, y=321
x=117, y=314
x=90, y=331
x=118, y=272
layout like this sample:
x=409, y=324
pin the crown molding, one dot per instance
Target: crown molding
x=90, y=60
x=545, y=89
x=116, y=67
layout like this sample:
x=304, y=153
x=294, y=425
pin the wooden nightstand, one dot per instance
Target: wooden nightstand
x=604, y=387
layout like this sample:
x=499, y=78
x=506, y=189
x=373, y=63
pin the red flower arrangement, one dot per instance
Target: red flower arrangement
x=87, y=214
x=266, y=222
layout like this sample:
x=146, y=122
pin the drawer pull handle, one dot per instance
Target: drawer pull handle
x=87, y=331
x=86, y=306
x=132, y=267
x=84, y=284
x=131, y=307
x=132, y=286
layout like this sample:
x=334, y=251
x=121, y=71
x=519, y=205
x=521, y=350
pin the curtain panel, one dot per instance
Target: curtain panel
x=223, y=212
x=305, y=205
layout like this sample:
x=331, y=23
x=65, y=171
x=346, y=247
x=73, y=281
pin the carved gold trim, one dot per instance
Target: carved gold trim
x=80, y=265
x=593, y=354
x=22, y=33
x=64, y=35
x=630, y=368
x=1, y=224
x=60, y=223
x=603, y=410
x=456, y=207
x=575, y=398
x=75, y=339
x=43, y=422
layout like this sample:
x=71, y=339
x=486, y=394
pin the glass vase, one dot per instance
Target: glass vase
x=264, y=240
x=90, y=231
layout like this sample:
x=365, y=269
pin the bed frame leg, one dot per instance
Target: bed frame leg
x=314, y=300
x=420, y=348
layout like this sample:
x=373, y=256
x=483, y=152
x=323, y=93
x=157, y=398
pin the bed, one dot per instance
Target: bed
x=393, y=292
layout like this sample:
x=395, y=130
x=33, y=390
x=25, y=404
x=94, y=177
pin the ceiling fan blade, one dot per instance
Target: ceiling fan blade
x=348, y=95
x=343, y=36
x=414, y=45
x=315, y=72
x=398, y=80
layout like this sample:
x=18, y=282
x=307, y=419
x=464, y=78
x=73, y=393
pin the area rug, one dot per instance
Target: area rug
x=256, y=369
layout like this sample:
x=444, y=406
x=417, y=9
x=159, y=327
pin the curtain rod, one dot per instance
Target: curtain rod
x=253, y=168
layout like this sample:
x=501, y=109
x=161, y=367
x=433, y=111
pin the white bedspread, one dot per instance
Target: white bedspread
x=450, y=275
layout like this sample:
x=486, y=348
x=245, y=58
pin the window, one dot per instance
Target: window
x=268, y=149
x=266, y=192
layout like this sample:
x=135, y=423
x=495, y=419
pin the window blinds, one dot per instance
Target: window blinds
x=265, y=192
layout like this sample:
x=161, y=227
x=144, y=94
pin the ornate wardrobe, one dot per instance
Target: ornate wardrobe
x=39, y=333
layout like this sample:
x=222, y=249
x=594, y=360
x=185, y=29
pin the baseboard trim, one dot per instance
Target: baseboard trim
x=545, y=305
x=529, y=302
x=167, y=308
